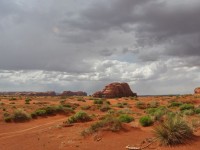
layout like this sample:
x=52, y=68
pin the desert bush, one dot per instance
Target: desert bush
x=81, y=99
x=186, y=106
x=158, y=113
x=120, y=105
x=175, y=104
x=7, y=117
x=125, y=111
x=39, y=112
x=20, y=116
x=105, y=107
x=109, y=123
x=173, y=131
x=188, y=112
x=197, y=110
x=27, y=101
x=153, y=104
x=80, y=116
x=85, y=107
x=146, y=121
x=12, y=98
x=140, y=105
x=125, y=118
x=98, y=101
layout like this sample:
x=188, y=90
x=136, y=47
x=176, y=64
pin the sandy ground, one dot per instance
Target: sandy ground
x=48, y=134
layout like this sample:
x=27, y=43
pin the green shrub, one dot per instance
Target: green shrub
x=125, y=111
x=119, y=105
x=186, y=106
x=104, y=108
x=173, y=131
x=80, y=116
x=27, y=101
x=85, y=107
x=146, y=121
x=153, y=104
x=140, y=105
x=197, y=110
x=108, y=123
x=13, y=98
x=158, y=113
x=175, y=104
x=188, y=112
x=125, y=118
x=98, y=101
x=81, y=99
x=7, y=117
x=21, y=116
x=39, y=112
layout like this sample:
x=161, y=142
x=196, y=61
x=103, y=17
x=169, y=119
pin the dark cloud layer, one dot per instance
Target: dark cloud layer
x=137, y=41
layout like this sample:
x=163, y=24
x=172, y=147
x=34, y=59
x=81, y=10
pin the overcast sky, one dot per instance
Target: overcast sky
x=154, y=45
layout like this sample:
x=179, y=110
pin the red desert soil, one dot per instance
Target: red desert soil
x=48, y=134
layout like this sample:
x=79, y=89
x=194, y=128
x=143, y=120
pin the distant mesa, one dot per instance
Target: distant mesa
x=115, y=90
x=48, y=93
x=70, y=93
x=197, y=90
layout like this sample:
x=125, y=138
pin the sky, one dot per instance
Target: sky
x=153, y=45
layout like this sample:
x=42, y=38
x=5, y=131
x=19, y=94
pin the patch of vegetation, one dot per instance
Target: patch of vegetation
x=197, y=110
x=140, y=105
x=105, y=108
x=173, y=131
x=175, y=104
x=108, y=123
x=153, y=104
x=125, y=111
x=188, y=112
x=27, y=101
x=12, y=98
x=146, y=121
x=98, y=101
x=81, y=99
x=80, y=116
x=125, y=118
x=20, y=116
x=119, y=105
x=157, y=113
x=186, y=106
x=85, y=107
x=7, y=117
x=51, y=110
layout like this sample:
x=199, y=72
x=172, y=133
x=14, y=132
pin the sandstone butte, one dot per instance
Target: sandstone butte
x=115, y=90
x=197, y=90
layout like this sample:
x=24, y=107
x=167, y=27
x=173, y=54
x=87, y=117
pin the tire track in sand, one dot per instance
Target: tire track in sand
x=20, y=132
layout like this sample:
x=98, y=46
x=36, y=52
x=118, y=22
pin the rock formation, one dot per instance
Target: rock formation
x=115, y=90
x=48, y=93
x=70, y=93
x=197, y=90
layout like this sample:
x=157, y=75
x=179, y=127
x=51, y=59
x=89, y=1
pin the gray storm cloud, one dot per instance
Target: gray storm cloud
x=47, y=44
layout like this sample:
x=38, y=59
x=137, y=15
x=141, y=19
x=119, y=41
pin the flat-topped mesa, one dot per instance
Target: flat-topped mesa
x=70, y=93
x=48, y=93
x=197, y=90
x=24, y=93
x=115, y=90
